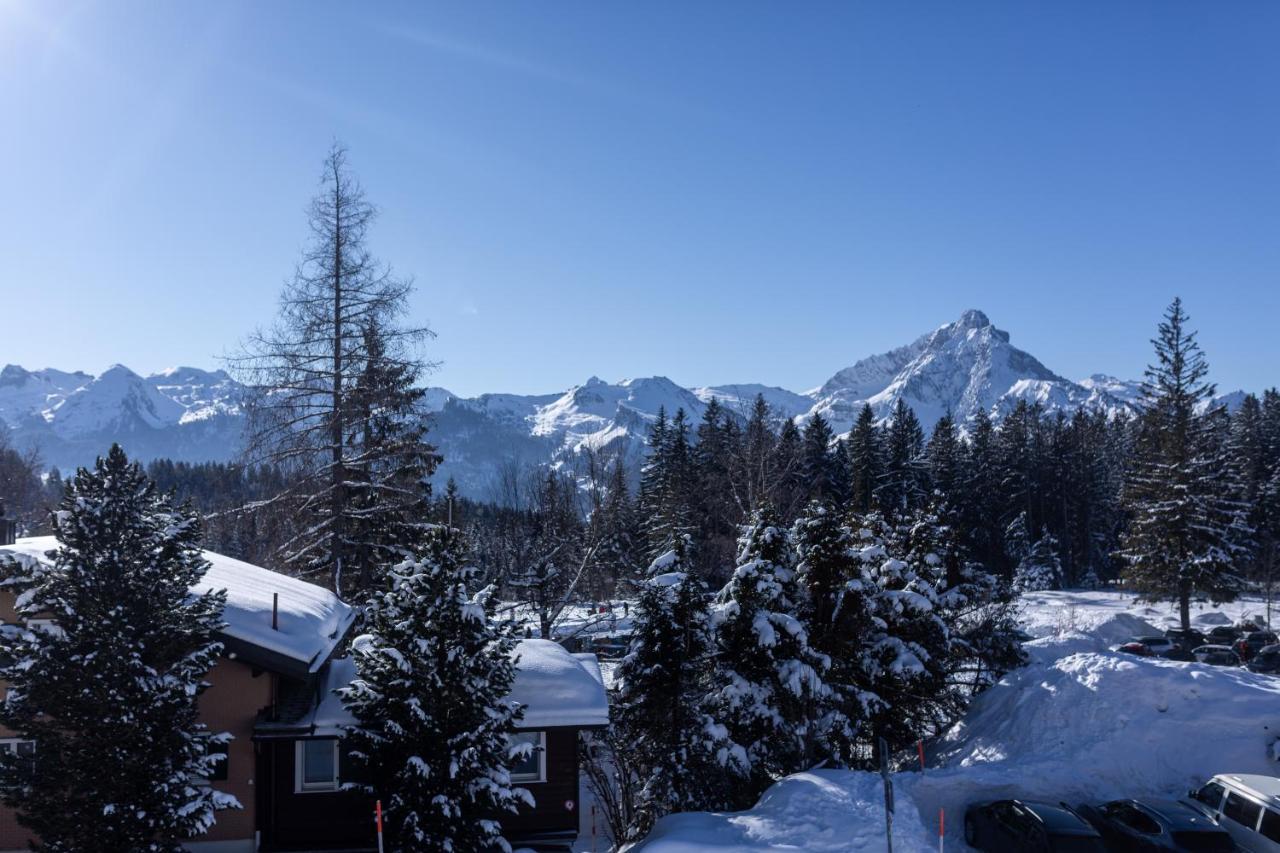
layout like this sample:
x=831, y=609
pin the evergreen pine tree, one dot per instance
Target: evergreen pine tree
x=110, y=694
x=1184, y=538
x=666, y=484
x=864, y=463
x=433, y=721
x=836, y=608
x=787, y=486
x=943, y=458
x=820, y=471
x=901, y=489
x=677, y=752
x=770, y=691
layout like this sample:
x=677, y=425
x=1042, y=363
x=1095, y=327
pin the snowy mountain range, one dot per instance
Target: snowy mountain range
x=186, y=413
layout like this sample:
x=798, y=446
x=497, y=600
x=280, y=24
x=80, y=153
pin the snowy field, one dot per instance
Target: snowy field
x=1079, y=722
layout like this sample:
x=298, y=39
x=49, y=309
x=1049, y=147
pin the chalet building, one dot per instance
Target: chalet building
x=272, y=691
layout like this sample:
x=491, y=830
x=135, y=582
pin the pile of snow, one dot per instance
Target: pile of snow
x=311, y=620
x=1080, y=722
x=829, y=810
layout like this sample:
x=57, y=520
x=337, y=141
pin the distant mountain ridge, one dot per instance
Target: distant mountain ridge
x=962, y=367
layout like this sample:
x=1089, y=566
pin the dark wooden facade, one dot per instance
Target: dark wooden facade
x=339, y=820
x=314, y=820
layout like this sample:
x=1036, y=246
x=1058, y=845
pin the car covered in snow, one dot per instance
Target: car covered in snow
x=1254, y=642
x=1157, y=825
x=1160, y=646
x=1136, y=647
x=1028, y=826
x=1247, y=806
x=1216, y=655
x=1186, y=639
x=1266, y=661
x=1225, y=635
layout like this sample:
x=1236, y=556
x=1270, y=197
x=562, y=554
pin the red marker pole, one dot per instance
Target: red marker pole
x=377, y=817
x=920, y=749
x=942, y=827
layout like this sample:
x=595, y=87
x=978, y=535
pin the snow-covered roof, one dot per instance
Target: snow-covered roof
x=311, y=619
x=558, y=688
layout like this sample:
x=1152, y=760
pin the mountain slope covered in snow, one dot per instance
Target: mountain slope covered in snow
x=962, y=367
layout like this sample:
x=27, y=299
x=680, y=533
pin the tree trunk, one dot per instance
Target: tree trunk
x=339, y=475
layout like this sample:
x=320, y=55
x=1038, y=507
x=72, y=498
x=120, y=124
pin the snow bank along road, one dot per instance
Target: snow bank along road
x=1079, y=722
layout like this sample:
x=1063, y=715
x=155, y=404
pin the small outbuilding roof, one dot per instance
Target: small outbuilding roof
x=310, y=620
x=555, y=687
x=558, y=688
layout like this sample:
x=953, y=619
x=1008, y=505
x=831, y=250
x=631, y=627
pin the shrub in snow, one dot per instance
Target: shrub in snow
x=109, y=695
x=769, y=685
x=433, y=722
x=668, y=751
x=1040, y=568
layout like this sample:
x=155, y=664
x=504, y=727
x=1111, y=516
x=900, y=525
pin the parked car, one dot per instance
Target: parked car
x=1217, y=655
x=1186, y=639
x=1224, y=635
x=1254, y=642
x=1151, y=825
x=1024, y=826
x=1160, y=646
x=1247, y=806
x=1266, y=661
x=1136, y=648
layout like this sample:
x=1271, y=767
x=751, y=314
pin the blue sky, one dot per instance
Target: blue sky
x=716, y=192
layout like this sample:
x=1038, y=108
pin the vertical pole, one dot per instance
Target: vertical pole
x=377, y=816
x=942, y=827
x=593, y=828
x=275, y=611
x=888, y=794
x=920, y=749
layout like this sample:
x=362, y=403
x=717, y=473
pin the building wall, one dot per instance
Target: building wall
x=549, y=812
x=229, y=705
x=315, y=820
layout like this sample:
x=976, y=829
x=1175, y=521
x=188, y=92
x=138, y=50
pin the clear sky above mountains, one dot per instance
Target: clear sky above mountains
x=714, y=192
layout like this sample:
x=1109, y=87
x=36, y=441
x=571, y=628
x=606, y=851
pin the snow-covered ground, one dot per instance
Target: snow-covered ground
x=1079, y=722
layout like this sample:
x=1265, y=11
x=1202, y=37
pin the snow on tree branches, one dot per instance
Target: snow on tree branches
x=114, y=682
x=433, y=672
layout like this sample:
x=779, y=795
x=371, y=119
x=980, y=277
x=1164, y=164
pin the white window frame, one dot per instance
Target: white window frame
x=14, y=742
x=540, y=750
x=300, y=786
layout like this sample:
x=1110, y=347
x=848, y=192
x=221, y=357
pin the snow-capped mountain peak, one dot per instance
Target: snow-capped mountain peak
x=962, y=367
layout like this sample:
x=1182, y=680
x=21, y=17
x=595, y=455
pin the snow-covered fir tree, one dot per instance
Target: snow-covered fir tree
x=837, y=603
x=430, y=697
x=110, y=693
x=675, y=751
x=906, y=651
x=1188, y=526
x=769, y=690
x=1040, y=567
